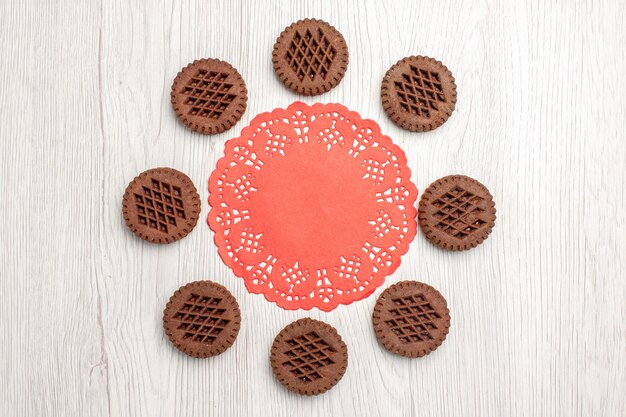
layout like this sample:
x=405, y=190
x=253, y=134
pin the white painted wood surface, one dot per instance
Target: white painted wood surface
x=538, y=311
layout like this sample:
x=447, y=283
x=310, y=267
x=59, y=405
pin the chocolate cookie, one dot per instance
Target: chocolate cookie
x=202, y=319
x=309, y=357
x=161, y=205
x=456, y=212
x=418, y=93
x=310, y=57
x=411, y=319
x=209, y=96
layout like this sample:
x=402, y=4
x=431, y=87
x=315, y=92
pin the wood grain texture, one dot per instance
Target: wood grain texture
x=538, y=311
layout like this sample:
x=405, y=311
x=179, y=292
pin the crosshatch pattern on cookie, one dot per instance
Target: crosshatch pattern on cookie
x=307, y=355
x=457, y=212
x=201, y=318
x=420, y=91
x=207, y=93
x=310, y=54
x=159, y=206
x=413, y=318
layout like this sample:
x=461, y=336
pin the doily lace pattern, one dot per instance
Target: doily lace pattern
x=312, y=206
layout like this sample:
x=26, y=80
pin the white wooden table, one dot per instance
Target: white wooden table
x=538, y=311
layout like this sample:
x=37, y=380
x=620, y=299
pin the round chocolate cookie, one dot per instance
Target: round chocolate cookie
x=309, y=357
x=411, y=319
x=456, y=212
x=418, y=93
x=209, y=96
x=310, y=57
x=161, y=205
x=202, y=319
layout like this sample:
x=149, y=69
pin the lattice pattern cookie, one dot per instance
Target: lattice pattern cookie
x=411, y=319
x=209, y=96
x=310, y=57
x=457, y=212
x=161, y=205
x=309, y=357
x=418, y=93
x=202, y=319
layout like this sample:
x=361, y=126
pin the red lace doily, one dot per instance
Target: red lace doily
x=312, y=206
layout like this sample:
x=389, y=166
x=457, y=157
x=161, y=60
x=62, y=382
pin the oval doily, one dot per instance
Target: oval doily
x=312, y=206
